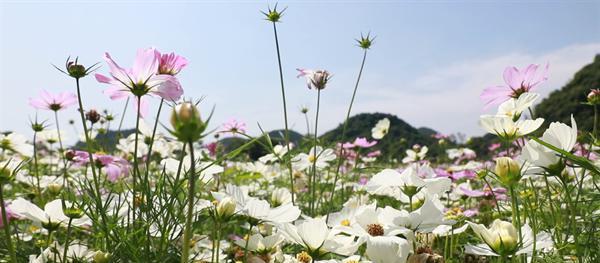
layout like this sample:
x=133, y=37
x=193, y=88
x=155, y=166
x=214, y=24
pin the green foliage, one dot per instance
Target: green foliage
x=568, y=100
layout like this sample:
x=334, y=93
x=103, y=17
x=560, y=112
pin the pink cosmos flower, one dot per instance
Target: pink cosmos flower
x=494, y=146
x=141, y=79
x=114, y=167
x=374, y=153
x=517, y=82
x=9, y=214
x=53, y=102
x=171, y=63
x=212, y=148
x=471, y=212
x=233, y=126
x=499, y=192
x=362, y=142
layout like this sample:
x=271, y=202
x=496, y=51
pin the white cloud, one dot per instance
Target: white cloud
x=447, y=98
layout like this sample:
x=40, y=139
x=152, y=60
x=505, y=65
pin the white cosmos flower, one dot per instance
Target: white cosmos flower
x=262, y=211
x=281, y=196
x=394, y=184
x=16, y=143
x=240, y=195
x=505, y=127
x=371, y=221
x=412, y=155
x=304, y=161
x=514, y=107
x=424, y=219
x=278, y=152
x=558, y=134
x=314, y=235
x=262, y=244
x=447, y=230
x=51, y=136
x=52, y=214
x=381, y=129
x=388, y=249
x=502, y=238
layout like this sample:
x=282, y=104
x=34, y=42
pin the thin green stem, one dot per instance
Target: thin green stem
x=287, y=132
x=67, y=239
x=315, y=156
x=343, y=137
x=136, y=168
x=122, y=118
x=11, y=249
x=246, y=245
x=187, y=234
x=88, y=142
x=35, y=164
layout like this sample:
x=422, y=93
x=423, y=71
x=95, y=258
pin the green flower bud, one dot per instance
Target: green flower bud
x=186, y=122
x=508, y=171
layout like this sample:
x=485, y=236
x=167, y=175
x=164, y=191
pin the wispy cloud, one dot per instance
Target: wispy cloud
x=447, y=98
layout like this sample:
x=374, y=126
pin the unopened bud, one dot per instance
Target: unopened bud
x=226, y=207
x=594, y=97
x=186, y=122
x=507, y=170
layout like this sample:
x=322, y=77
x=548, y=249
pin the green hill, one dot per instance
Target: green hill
x=401, y=135
x=560, y=104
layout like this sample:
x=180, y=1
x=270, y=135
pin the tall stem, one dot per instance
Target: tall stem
x=35, y=164
x=595, y=121
x=66, y=249
x=99, y=207
x=122, y=118
x=343, y=137
x=314, y=162
x=136, y=168
x=60, y=144
x=187, y=234
x=287, y=132
x=11, y=249
x=515, y=212
x=246, y=245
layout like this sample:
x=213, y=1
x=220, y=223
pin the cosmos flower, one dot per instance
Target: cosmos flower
x=508, y=129
x=278, y=152
x=502, y=238
x=381, y=129
x=16, y=143
x=417, y=153
x=517, y=82
x=9, y=214
x=53, y=102
x=304, y=161
x=233, y=126
x=51, y=216
x=514, y=107
x=114, y=167
x=314, y=235
x=316, y=79
x=557, y=134
x=360, y=142
x=141, y=79
x=171, y=64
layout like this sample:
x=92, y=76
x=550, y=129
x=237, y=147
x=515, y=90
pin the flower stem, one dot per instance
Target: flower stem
x=343, y=137
x=314, y=163
x=136, y=168
x=67, y=240
x=246, y=245
x=99, y=206
x=287, y=132
x=122, y=118
x=35, y=164
x=60, y=144
x=187, y=234
x=11, y=249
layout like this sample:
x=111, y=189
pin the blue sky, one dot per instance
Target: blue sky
x=430, y=61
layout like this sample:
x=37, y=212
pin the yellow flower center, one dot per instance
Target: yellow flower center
x=345, y=222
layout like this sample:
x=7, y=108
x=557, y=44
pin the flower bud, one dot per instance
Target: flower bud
x=504, y=237
x=73, y=212
x=508, y=170
x=75, y=70
x=102, y=257
x=55, y=188
x=93, y=116
x=594, y=97
x=186, y=122
x=226, y=207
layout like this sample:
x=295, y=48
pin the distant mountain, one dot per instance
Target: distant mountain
x=401, y=135
x=106, y=141
x=568, y=100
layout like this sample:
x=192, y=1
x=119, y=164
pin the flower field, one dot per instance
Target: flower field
x=180, y=192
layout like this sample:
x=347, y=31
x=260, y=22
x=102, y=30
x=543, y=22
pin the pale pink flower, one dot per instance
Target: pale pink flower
x=114, y=167
x=53, y=102
x=233, y=126
x=517, y=82
x=9, y=214
x=143, y=78
x=315, y=78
